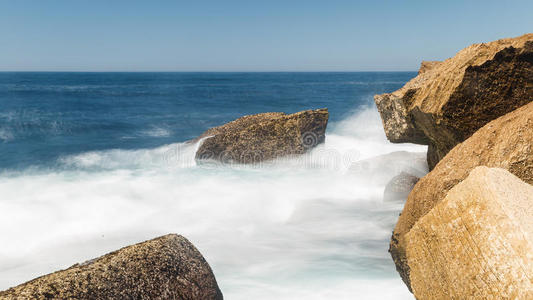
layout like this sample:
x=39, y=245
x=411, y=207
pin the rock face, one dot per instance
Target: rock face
x=168, y=267
x=448, y=101
x=428, y=65
x=399, y=187
x=503, y=143
x=266, y=136
x=477, y=242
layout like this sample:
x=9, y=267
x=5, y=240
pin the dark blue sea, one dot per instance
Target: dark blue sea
x=44, y=116
x=91, y=162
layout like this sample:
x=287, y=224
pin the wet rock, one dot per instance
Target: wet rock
x=168, y=267
x=399, y=187
x=382, y=169
x=448, y=101
x=257, y=138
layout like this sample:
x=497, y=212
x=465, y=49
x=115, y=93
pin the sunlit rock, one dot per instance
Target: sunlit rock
x=504, y=143
x=261, y=137
x=448, y=101
x=477, y=242
x=168, y=267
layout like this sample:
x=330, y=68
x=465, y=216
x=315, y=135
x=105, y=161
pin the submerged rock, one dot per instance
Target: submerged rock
x=168, y=267
x=503, y=143
x=477, y=242
x=399, y=187
x=382, y=169
x=266, y=136
x=448, y=101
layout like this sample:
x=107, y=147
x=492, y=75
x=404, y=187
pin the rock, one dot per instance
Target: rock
x=399, y=187
x=168, y=267
x=448, y=101
x=503, y=143
x=266, y=136
x=428, y=65
x=477, y=242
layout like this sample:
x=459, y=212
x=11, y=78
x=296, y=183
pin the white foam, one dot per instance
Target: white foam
x=157, y=132
x=306, y=227
x=386, y=289
x=179, y=155
x=5, y=135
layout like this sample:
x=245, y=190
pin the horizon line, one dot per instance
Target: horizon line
x=204, y=71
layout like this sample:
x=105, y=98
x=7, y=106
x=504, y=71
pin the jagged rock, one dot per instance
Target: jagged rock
x=428, y=65
x=477, y=242
x=399, y=187
x=448, y=101
x=503, y=143
x=266, y=136
x=168, y=267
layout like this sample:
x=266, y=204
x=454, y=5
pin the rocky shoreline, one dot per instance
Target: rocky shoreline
x=466, y=227
x=465, y=230
x=170, y=267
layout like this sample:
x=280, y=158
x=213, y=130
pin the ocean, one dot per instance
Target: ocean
x=91, y=162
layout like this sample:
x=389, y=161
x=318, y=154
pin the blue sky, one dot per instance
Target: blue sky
x=226, y=35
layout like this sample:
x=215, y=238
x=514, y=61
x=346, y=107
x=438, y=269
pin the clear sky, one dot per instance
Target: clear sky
x=267, y=35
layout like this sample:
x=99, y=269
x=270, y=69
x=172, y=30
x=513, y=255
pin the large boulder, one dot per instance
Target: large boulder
x=477, y=242
x=266, y=136
x=448, y=101
x=168, y=267
x=503, y=143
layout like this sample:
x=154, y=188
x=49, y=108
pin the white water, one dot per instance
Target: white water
x=312, y=227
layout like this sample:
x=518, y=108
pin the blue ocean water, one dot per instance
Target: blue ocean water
x=44, y=116
x=92, y=162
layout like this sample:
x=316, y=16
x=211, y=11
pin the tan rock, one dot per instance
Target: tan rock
x=428, y=65
x=168, y=267
x=477, y=242
x=261, y=137
x=504, y=143
x=448, y=101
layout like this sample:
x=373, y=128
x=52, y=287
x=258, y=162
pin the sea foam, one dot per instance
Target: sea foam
x=313, y=226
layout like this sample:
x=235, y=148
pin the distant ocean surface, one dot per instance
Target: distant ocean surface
x=91, y=162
